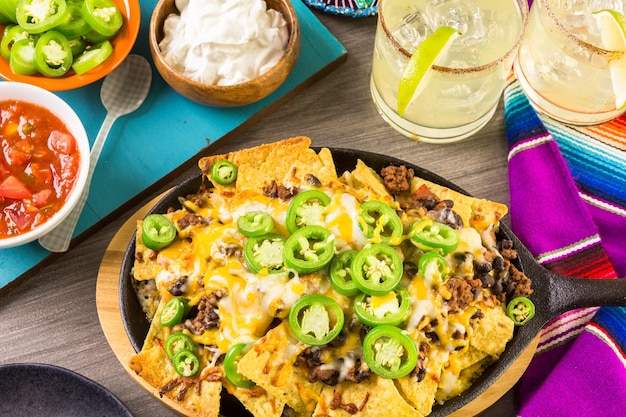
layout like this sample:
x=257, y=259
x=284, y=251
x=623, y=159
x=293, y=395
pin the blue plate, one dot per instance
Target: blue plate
x=30, y=389
x=351, y=8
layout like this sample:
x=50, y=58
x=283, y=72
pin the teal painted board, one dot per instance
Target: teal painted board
x=166, y=131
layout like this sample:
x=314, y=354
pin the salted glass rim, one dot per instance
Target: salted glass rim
x=468, y=70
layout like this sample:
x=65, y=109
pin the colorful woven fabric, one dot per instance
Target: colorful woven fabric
x=568, y=206
x=351, y=8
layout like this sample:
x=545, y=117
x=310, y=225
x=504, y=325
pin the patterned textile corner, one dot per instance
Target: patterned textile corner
x=350, y=8
x=567, y=205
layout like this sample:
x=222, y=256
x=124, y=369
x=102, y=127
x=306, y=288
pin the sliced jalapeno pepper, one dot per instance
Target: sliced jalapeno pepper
x=157, y=231
x=53, y=54
x=22, y=59
x=224, y=172
x=177, y=342
x=74, y=25
x=433, y=267
x=389, y=352
x=391, y=308
x=316, y=319
x=377, y=269
x=379, y=222
x=309, y=249
x=230, y=366
x=8, y=8
x=103, y=16
x=255, y=223
x=265, y=252
x=521, y=310
x=77, y=45
x=340, y=273
x=92, y=56
x=173, y=311
x=431, y=235
x=186, y=363
x=11, y=34
x=38, y=16
x=306, y=209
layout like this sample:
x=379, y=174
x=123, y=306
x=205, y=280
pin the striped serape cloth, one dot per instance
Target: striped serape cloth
x=568, y=206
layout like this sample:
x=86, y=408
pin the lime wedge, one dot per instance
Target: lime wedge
x=419, y=69
x=613, y=33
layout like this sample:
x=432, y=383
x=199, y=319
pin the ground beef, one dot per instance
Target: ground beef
x=190, y=219
x=461, y=294
x=397, y=179
x=279, y=191
x=207, y=316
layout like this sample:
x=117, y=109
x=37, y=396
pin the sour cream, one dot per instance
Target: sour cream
x=223, y=42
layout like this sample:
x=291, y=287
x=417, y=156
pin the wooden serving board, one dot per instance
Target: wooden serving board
x=109, y=313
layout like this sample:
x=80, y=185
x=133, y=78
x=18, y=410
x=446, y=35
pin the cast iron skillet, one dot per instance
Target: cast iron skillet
x=553, y=294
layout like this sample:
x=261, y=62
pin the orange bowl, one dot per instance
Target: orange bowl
x=122, y=43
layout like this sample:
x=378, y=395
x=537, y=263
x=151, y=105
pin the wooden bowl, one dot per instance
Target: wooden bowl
x=226, y=96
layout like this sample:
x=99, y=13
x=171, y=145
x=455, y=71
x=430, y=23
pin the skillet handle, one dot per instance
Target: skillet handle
x=569, y=293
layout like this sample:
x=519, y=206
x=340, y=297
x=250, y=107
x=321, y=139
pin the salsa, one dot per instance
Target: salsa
x=39, y=163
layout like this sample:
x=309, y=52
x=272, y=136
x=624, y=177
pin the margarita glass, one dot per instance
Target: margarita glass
x=463, y=90
x=562, y=66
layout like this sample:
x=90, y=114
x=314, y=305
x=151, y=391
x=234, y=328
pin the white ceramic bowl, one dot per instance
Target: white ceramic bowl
x=44, y=98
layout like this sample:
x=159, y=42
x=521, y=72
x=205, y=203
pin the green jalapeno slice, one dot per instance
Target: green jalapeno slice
x=377, y=269
x=521, y=310
x=10, y=35
x=379, y=222
x=186, y=363
x=433, y=267
x=230, y=366
x=340, y=273
x=22, y=59
x=224, y=172
x=38, y=16
x=53, y=54
x=306, y=209
x=431, y=235
x=173, y=311
x=177, y=342
x=265, y=253
x=255, y=223
x=103, y=16
x=8, y=9
x=389, y=352
x=316, y=319
x=309, y=249
x=92, y=56
x=74, y=24
x=391, y=308
x=157, y=231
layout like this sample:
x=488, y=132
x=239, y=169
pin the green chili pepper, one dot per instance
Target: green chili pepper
x=392, y=308
x=22, y=59
x=377, y=269
x=224, y=172
x=177, y=342
x=255, y=223
x=306, y=209
x=11, y=34
x=92, y=56
x=433, y=267
x=389, y=352
x=265, y=252
x=230, y=366
x=521, y=310
x=103, y=16
x=316, y=319
x=340, y=273
x=53, y=54
x=157, y=231
x=309, y=249
x=430, y=235
x=186, y=363
x=74, y=25
x=38, y=16
x=379, y=221
x=173, y=311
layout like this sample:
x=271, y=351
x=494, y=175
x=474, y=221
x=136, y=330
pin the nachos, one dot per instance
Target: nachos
x=304, y=292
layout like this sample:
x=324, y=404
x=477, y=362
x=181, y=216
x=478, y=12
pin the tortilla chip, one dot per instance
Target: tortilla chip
x=492, y=331
x=145, y=266
x=154, y=367
x=270, y=364
x=287, y=162
x=478, y=213
x=375, y=396
x=452, y=385
x=367, y=181
x=258, y=401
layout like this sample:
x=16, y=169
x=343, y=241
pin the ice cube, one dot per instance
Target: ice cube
x=463, y=15
x=411, y=31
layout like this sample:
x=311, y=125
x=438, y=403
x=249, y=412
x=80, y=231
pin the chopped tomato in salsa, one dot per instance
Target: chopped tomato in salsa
x=39, y=162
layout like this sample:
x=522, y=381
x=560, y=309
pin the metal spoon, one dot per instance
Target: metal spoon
x=122, y=92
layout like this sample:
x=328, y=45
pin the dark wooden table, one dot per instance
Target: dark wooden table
x=51, y=316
